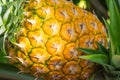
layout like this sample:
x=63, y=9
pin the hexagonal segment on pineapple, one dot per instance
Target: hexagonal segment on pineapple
x=71, y=52
x=93, y=23
x=74, y=11
x=55, y=75
x=51, y=27
x=39, y=55
x=62, y=15
x=45, y=12
x=68, y=33
x=81, y=27
x=86, y=41
x=23, y=44
x=55, y=46
x=72, y=68
x=23, y=59
x=56, y=63
x=37, y=38
x=39, y=70
x=33, y=22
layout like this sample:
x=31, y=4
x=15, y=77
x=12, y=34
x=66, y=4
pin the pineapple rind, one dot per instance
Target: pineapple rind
x=46, y=45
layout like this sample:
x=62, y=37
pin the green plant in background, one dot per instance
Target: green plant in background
x=109, y=58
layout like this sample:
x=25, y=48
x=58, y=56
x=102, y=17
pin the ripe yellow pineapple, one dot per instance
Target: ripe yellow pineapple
x=46, y=44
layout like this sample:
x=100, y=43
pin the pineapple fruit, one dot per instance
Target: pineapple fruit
x=48, y=38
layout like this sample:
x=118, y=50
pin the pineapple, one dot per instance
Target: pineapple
x=48, y=37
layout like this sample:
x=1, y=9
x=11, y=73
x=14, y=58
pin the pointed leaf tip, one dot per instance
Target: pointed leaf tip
x=91, y=51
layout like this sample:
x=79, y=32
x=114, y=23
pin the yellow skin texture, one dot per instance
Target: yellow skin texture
x=46, y=45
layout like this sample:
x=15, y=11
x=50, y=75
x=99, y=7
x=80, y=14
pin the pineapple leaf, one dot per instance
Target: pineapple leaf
x=114, y=33
x=108, y=67
x=10, y=17
x=91, y=51
x=6, y=15
x=2, y=58
x=118, y=4
x=1, y=22
x=116, y=61
x=11, y=72
x=97, y=58
x=102, y=48
x=2, y=29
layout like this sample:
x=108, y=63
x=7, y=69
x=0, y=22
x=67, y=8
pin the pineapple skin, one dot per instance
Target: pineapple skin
x=46, y=45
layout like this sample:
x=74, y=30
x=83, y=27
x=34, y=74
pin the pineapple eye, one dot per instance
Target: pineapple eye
x=70, y=31
x=93, y=24
x=81, y=26
x=69, y=0
x=74, y=53
x=74, y=11
x=89, y=43
x=64, y=14
x=71, y=68
x=55, y=75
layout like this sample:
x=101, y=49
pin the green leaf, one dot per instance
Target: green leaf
x=2, y=46
x=108, y=67
x=10, y=17
x=118, y=4
x=102, y=48
x=1, y=22
x=117, y=50
x=116, y=61
x=91, y=51
x=97, y=58
x=114, y=33
x=2, y=29
x=2, y=57
x=6, y=15
x=10, y=72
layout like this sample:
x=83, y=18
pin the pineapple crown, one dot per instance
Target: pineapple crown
x=109, y=58
x=10, y=17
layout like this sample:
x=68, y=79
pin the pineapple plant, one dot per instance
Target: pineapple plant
x=41, y=37
x=108, y=58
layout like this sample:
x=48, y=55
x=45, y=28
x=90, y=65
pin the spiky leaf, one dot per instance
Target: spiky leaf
x=91, y=51
x=10, y=16
x=113, y=29
x=116, y=61
x=10, y=72
x=97, y=58
x=102, y=48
